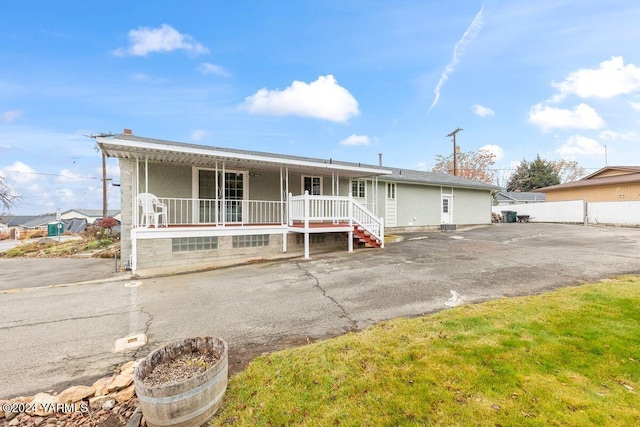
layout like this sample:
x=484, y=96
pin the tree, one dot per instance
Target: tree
x=533, y=175
x=568, y=171
x=8, y=198
x=476, y=165
x=108, y=224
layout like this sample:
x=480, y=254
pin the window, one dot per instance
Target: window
x=359, y=188
x=445, y=205
x=391, y=190
x=251, y=241
x=186, y=244
x=312, y=184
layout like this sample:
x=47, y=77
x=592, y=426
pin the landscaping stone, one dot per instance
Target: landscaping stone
x=111, y=401
x=76, y=394
x=101, y=386
x=43, y=403
x=125, y=394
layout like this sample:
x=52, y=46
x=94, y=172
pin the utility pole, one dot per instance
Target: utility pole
x=104, y=173
x=455, y=160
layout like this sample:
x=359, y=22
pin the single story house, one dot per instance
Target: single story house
x=187, y=207
x=506, y=198
x=609, y=184
x=91, y=215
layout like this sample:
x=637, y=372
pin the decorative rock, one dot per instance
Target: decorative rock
x=120, y=381
x=10, y=415
x=109, y=404
x=98, y=401
x=37, y=420
x=126, y=394
x=44, y=404
x=76, y=393
x=14, y=422
x=101, y=386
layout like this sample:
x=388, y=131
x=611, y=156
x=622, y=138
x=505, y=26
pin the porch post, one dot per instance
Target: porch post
x=216, y=208
x=146, y=174
x=224, y=205
x=282, y=213
x=135, y=192
x=350, y=223
x=306, y=224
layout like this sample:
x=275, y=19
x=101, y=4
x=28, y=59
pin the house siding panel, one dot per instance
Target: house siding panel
x=607, y=193
x=417, y=205
x=467, y=207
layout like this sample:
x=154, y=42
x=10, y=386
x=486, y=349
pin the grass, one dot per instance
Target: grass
x=566, y=358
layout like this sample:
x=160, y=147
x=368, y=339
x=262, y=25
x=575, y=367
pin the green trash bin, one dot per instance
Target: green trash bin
x=509, y=216
x=54, y=229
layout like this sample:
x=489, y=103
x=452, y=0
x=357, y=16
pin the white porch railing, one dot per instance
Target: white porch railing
x=221, y=212
x=308, y=208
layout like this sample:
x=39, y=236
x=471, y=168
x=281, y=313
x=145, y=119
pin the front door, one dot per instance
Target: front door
x=231, y=187
x=447, y=210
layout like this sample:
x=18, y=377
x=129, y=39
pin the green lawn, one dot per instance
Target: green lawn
x=567, y=357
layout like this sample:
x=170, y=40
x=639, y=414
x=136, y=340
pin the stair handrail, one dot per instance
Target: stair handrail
x=364, y=218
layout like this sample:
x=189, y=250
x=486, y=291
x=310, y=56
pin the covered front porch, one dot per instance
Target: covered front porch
x=205, y=193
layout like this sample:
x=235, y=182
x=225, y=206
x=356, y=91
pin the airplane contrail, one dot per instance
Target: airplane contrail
x=458, y=50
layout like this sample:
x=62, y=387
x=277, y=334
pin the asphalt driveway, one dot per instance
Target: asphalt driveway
x=53, y=337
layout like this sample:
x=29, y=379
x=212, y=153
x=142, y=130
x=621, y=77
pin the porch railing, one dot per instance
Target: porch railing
x=184, y=211
x=308, y=208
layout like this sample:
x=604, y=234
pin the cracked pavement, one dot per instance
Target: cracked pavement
x=53, y=337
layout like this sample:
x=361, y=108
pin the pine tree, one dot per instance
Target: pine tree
x=532, y=175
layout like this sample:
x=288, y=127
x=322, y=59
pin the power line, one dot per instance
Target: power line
x=52, y=174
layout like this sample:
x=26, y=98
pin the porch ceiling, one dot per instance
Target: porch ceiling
x=157, y=151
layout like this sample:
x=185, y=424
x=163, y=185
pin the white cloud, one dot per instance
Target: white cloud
x=580, y=145
x=207, y=68
x=635, y=105
x=19, y=172
x=581, y=117
x=611, y=79
x=198, y=134
x=458, y=50
x=144, y=41
x=497, y=151
x=321, y=99
x=613, y=136
x=355, y=140
x=482, y=111
x=10, y=116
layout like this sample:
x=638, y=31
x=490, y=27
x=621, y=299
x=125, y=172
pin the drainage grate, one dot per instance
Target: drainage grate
x=447, y=227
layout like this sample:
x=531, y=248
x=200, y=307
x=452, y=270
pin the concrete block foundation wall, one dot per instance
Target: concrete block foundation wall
x=155, y=256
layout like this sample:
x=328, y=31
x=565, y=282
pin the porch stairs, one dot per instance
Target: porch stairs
x=365, y=238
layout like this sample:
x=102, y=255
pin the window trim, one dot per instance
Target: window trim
x=312, y=177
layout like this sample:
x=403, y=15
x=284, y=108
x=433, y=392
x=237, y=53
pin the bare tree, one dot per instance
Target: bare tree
x=8, y=198
x=567, y=171
x=476, y=165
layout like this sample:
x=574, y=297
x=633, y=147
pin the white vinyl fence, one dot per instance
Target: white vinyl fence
x=622, y=213
x=578, y=211
x=572, y=211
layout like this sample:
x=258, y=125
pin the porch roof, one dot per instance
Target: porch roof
x=128, y=146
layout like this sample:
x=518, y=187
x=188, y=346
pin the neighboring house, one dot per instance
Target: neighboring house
x=91, y=215
x=219, y=206
x=519, y=197
x=609, y=184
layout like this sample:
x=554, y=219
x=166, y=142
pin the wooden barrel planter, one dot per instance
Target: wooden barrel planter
x=189, y=403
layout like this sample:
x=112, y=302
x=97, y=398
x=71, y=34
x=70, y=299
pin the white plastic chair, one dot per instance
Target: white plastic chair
x=152, y=209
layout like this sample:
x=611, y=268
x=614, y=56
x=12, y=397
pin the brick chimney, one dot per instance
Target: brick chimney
x=127, y=132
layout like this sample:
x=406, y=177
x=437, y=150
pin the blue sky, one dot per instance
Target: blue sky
x=345, y=80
